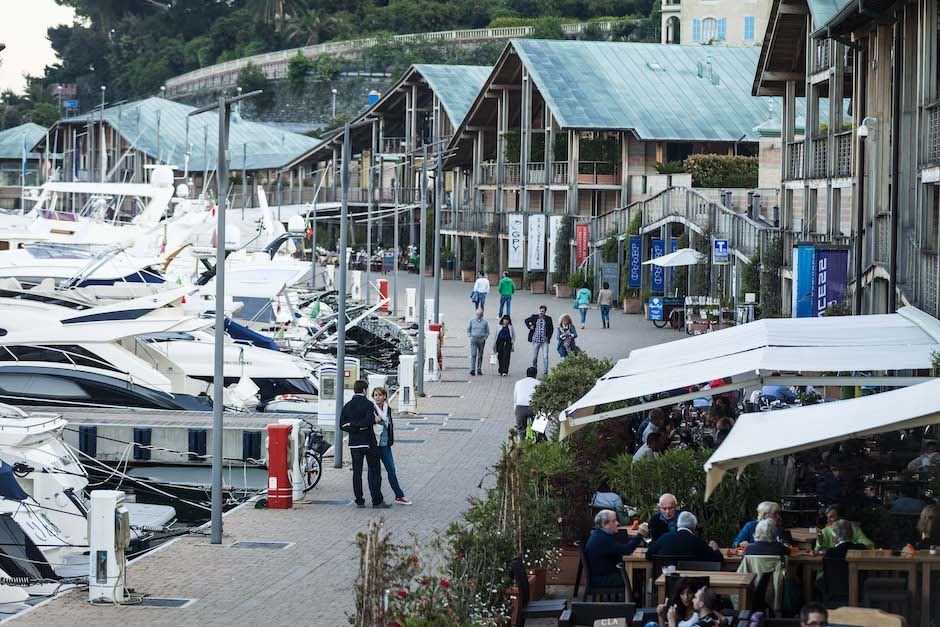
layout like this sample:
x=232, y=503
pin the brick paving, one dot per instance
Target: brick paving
x=311, y=582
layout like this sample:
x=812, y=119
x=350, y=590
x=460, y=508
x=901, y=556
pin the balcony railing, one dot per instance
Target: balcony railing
x=393, y=145
x=791, y=238
x=598, y=173
x=882, y=246
x=511, y=174
x=488, y=174
x=795, y=160
x=820, y=147
x=559, y=174
x=843, y=146
x=535, y=174
x=932, y=147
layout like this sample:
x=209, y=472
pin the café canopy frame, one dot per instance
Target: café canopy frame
x=870, y=349
x=764, y=435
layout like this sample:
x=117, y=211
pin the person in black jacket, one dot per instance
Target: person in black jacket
x=358, y=419
x=684, y=543
x=603, y=552
x=663, y=522
x=541, y=331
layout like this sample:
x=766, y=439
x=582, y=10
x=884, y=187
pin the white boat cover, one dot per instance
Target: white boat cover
x=904, y=340
x=764, y=435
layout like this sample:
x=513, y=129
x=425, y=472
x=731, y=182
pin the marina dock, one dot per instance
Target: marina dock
x=443, y=455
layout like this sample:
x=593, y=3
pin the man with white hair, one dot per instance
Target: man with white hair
x=663, y=522
x=765, y=540
x=603, y=552
x=684, y=542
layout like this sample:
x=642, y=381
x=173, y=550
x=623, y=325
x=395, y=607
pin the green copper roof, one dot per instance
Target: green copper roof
x=655, y=90
x=158, y=127
x=455, y=85
x=823, y=10
x=14, y=139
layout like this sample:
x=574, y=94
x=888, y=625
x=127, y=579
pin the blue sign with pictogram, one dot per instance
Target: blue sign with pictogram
x=720, y=254
x=70, y=104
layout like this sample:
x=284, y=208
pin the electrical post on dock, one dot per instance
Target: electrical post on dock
x=422, y=263
x=341, y=309
x=224, y=108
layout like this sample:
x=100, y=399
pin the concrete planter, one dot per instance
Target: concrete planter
x=567, y=568
x=562, y=290
x=632, y=306
x=493, y=278
x=537, y=286
x=467, y=276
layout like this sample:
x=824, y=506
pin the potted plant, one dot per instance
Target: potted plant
x=467, y=264
x=447, y=262
x=645, y=296
x=491, y=253
x=562, y=260
x=537, y=282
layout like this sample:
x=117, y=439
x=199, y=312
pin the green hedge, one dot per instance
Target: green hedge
x=722, y=171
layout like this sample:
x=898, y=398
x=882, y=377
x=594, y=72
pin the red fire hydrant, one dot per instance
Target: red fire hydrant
x=279, y=486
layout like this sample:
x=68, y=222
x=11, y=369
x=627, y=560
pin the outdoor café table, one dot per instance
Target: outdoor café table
x=636, y=564
x=802, y=537
x=721, y=582
x=882, y=559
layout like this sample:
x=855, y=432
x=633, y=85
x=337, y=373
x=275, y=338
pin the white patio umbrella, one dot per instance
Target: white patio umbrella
x=682, y=257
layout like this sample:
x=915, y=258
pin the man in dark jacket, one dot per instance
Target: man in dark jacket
x=357, y=419
x=663, y=522
x=684, y=543
x=603, y=552
x=541, y=331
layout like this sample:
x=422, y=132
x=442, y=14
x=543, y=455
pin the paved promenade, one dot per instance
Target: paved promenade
x=441, y=460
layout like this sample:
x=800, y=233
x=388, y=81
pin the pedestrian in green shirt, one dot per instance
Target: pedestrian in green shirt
x=506, y=289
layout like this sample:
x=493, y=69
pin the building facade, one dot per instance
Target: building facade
x=715, y=22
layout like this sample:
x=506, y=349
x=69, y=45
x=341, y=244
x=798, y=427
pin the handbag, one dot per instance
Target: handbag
x=575, y=305
x=492, y=359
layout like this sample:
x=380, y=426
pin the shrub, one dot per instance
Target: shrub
x=250, y=78
x=722, y=171
x=297, y=68
x=547, y=28
x=563, y=251
x=491, y=248
x=571, y=379
x=609, y=248
x=669, y=167
x=682, y=473
x=750, y=276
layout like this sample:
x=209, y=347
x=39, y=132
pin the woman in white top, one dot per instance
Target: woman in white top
x=480, y=289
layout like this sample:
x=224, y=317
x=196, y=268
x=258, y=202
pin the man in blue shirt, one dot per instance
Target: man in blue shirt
x=603, y=552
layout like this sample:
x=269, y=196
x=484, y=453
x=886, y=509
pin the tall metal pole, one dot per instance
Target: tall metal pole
x=422, y=262
x=341, y=311
x=438, y=193
x=218, y=383
x=395, y=263
x=369, y=233
x=244, y=177
x=313, y=236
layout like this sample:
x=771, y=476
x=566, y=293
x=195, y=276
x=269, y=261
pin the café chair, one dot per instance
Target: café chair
x=835, y=582
x=595, y=593
x=713, y=567
x=887, y=593
x=545, y=608
x=587, y=613
x=663, y=562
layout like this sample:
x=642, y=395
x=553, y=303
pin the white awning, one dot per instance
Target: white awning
x=750, y=353
x=681, y=257
x=762, y=436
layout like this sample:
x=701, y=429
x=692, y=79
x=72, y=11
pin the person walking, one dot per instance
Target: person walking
x=605, y=298
x=566, y=335
x=522, y=398
x=540, y=335
x=481, y=287
x=505, y=341
x=583, y=299
x=506, y=288
x=478, y=330
x=358, y=419
x=385, y=440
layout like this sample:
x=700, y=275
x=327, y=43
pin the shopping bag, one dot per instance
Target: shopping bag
x=540, y=424
x=493, y=361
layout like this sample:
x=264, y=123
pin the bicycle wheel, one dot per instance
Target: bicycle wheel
x=312, y=469
x=660, y=324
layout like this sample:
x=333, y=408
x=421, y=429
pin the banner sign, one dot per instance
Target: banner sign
x=70, y=104
x=610, y=273
x=720, y=254
x=829, y=279
x=673, y=247
x=536, y=257
x=554, y=225
x=803, y=269
x=582, y=242
x=658, y=283
x=515, y=225
x=635, y=259
x=656, y=308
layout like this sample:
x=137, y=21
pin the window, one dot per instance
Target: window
x=722, y=29
x=709, y=29
x=696, y=30
x=749, y=28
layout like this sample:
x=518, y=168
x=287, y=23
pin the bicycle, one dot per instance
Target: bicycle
x=312, y=463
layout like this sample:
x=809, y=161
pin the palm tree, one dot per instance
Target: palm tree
x=305, y=28
x=276, y=11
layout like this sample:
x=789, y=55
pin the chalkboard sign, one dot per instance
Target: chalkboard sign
x=610, y=272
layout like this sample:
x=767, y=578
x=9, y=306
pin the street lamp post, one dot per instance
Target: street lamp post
x=419, y=386
x=341, y=310
x=334, y=102
x=218, y=375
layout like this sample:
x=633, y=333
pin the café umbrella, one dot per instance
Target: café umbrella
x=682, y=257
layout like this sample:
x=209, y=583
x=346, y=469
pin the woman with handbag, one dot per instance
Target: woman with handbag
x=385, y=436
x=503, y=347
x=566, y=334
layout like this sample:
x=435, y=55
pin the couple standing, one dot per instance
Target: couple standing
x=371, y=436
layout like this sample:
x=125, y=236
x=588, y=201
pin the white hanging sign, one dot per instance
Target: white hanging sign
x=554, y=225
x=536, y=257
x=515, y=225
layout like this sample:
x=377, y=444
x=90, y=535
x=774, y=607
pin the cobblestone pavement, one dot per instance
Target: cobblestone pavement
x=441, y=461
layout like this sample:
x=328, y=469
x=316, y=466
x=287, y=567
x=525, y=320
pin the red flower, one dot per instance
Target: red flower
x=534, y=471
x=423, y=581
x=460, y=558
x=414, y=559
x=445, y=584
x=401, y=594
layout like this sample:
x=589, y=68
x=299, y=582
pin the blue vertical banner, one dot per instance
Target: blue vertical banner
x=804, y=282
x=636, y=258
x=658, y=283
x=673, y=247
x=830, y=274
